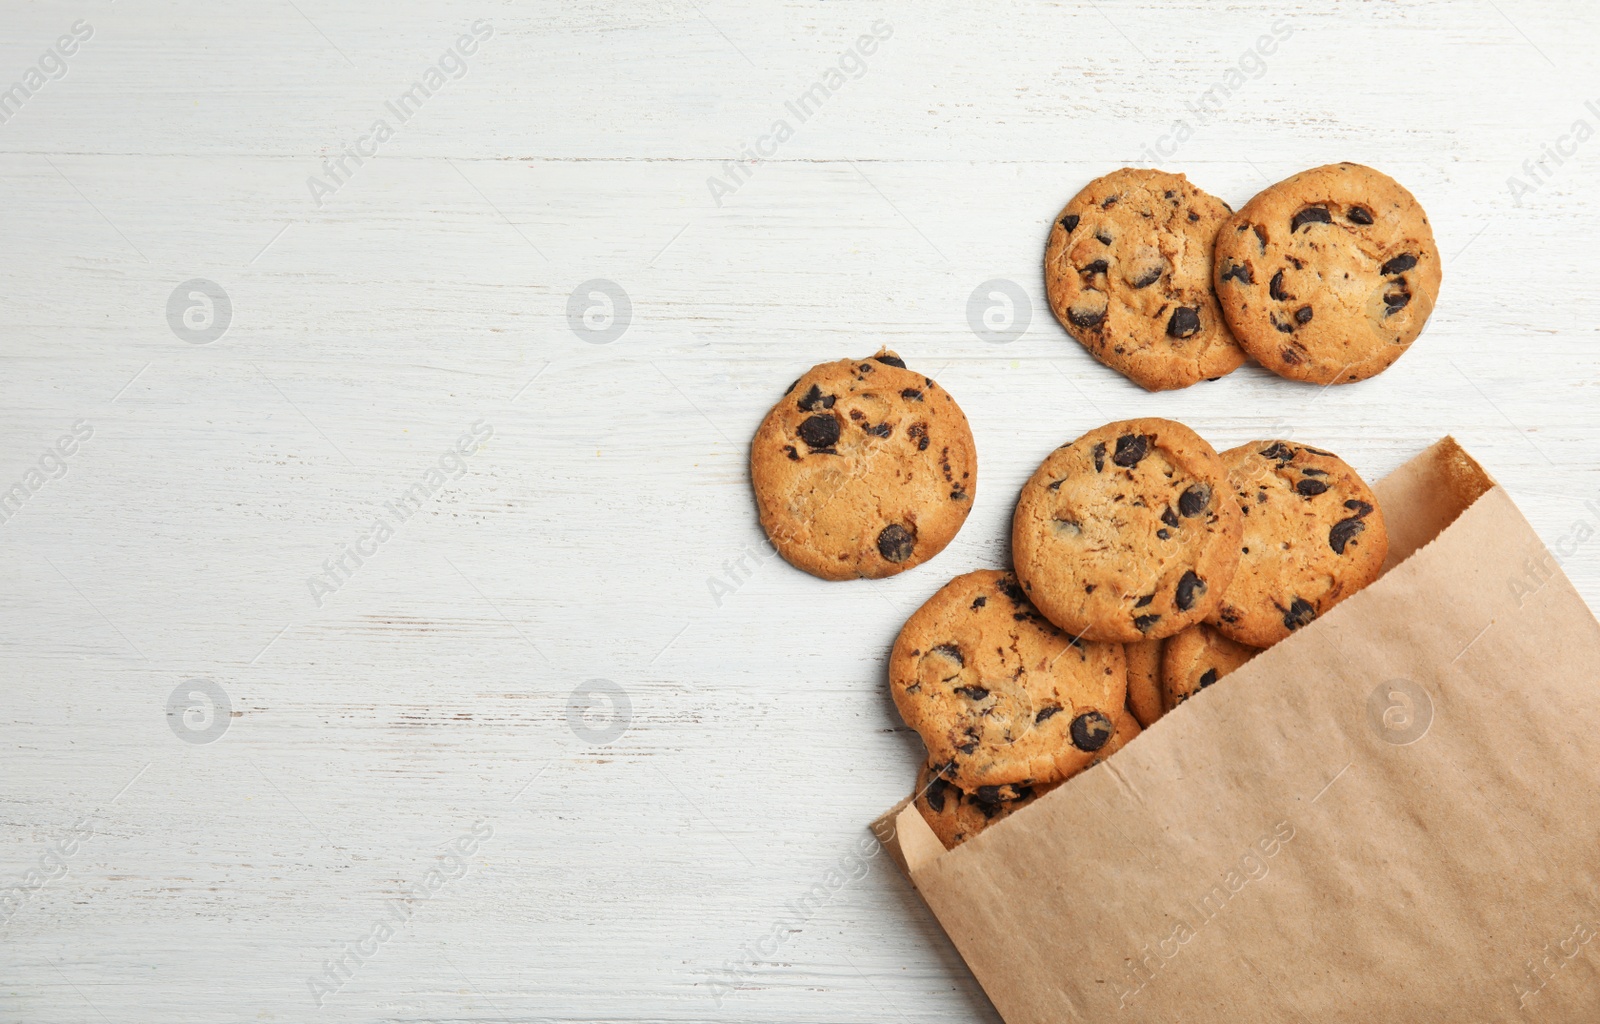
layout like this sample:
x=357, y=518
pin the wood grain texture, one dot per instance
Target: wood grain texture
x=631, y=880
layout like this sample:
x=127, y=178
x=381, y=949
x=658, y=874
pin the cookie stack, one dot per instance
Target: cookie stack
x=1327, y=277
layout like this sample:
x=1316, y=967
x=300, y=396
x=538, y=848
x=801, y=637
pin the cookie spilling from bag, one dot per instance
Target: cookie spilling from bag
x=863, y=468
x=999, y=695
x=1126, y=534
x=1148, y=567
x=1007, y=704
x=1313, y=535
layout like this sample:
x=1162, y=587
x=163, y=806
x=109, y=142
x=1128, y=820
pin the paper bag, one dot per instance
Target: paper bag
x=1393, y=815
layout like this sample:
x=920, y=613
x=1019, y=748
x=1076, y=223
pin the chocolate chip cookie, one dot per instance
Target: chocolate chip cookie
x=1196, y=658
x=1328, y=276
x=1313, y=535
x=1127, y=269
x=1144, y=680
x=863, y=469
x=997, y=693
x=956, y=815
x=1126, y=533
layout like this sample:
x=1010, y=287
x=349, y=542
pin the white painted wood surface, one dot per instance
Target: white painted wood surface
x=636, y=879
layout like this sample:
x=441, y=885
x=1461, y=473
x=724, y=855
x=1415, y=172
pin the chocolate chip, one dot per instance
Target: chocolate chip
x=1190, y=586
x=1149, y=277
x=1102, y=238
x=1399, y=265
x=1045, y=713
x=918, y=432
x=895, y=543
x=938, y=789
x=1261, y=237
x=1343, y=532
x=1085, y=319
x=973, y=739
x=1130, y=449
x=1310, y=215
x=881, y=430
x=791, y=387
x=1394, y=302
x=1278, y=450
x=911, y=395
x=1097, y=267
x=793, y=454
x=989, y=810
x=979, y=602
x=1300, y=613
x=1194, y=500
x=815, y=399
x=950, y=651
x=1185, y=322
x=1069, y=222
x=1275, y=288
x=986, y=795
x=1090, y=730
x=1099, y=456
x=1283, y=326
x=1310, y=488
x=1207, y=677
x=1110, y=201
x=1163, y=534
x=889, y=360
x=973, y=692
x=1359, y=215
x=1194, y=218
x=1008, y=586
x=1144, y=622
x=1168, y=516
x=1314, y=471
x=1359, y=507
x=1239, y=272
x=1302, y=316
x=820, y=431
x=1146, y=599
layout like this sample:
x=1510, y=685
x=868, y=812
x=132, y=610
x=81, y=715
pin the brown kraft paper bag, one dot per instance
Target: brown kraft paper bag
x=1391, y=815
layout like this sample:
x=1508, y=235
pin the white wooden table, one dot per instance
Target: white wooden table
x=392, y=769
